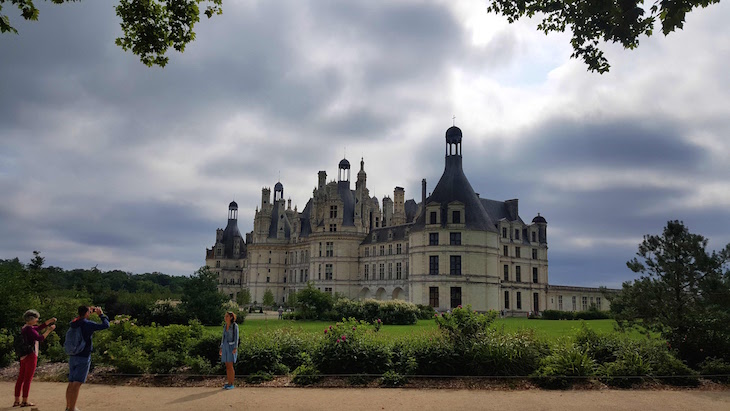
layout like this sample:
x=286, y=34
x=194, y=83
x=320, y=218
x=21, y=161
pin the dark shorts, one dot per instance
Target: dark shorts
x=78, y=368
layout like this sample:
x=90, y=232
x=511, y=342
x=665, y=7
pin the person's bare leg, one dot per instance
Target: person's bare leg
x=72, y=394
x=230, y=372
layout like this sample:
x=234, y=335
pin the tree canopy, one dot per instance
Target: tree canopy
x=150, y=27
x=592, y=22
x=683, y=293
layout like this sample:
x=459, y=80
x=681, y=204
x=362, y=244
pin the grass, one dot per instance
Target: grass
x=550, y=329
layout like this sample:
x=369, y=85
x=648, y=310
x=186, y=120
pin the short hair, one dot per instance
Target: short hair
x=31, y=314
x=233, y=315
x=83, y=309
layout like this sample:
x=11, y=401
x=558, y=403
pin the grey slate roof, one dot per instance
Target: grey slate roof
x=277, y=223
x=411, y=210
x=497, y=210
x=454, y=186
x=229, y=235
x=381, y=234
x=348, y=200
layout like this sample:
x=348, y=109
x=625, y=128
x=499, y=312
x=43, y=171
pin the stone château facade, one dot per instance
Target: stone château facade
x=451, y=248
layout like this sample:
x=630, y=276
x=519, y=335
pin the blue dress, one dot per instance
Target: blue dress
x=229, y=342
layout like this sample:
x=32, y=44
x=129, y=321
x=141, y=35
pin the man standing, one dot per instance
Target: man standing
x=79, y=364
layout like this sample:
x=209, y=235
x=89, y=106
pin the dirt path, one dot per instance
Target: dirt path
x=94, y=397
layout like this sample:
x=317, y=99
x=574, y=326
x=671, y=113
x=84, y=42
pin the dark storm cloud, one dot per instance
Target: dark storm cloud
x=616, y=142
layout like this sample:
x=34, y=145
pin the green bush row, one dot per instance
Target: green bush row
x=575, y=315
x=465, y=343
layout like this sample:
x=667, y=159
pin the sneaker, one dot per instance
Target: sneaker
x=228, y=387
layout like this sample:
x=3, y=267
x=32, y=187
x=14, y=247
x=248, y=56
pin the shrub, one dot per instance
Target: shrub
x=207, y=347
x=500, y=353
x=559, y=369
x=163, y=362
x=464, y=325
x=592, y=314
x=311, y=302
x=350, y=347
x=433, y=353
x=425, y=312
x=52, y=349
x=166, y=313
x=7, y=353
x=628, y=369
x=127, y=359
x=393, y=379
x=307, y=373
x=281, y=369
x=398, y=312
x=257, y=352
x=716, y=370
x=200, y=366
x=673, y=370
x=557, y=315
x=604, y=347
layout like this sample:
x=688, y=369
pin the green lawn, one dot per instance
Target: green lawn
x=551, y=329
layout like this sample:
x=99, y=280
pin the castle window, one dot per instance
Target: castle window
x=328, y=290
x=367, y=251
x=433, y=239
x=584, y=301
x=517, y=252
x=269, y=260
x=284, y=278
x=333, y=227
x=504, y=232
x=390, y=249
x=398, y=249
x=319, y=272
x=373, y=270
x=398, y=271
x=329, y=249
x=455, y=265
x=382, y=250
x=333, y=211
x=382, y=271
x=268, y=279
x=390, y=271
x=455, y=238
x=519, y=300
x=433, y=297
x=218, y=264
x=517, y=234
x=518, y=274
x=328, y=271
x=433, y=217
x=534, y=235
x=320, y=249
x=506, y=272
x=455, y=297
x=456, y=217
x=534, y=275
x=560, y=302
x=367, y=272
x=574, y=307
x=506, y=300
x=505, y=251
x=598, y=303
x=534, y=253
x=433, y=265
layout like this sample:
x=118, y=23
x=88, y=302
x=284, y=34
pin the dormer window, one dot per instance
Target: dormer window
x=534, y=237
x=456, y=217
x=504, y=232
x=517, y=234
x=433, y=217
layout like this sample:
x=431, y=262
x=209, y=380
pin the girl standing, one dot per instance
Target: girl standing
x=28, y=362
x=229, y=347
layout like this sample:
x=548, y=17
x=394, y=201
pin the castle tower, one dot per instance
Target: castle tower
x=399, y=207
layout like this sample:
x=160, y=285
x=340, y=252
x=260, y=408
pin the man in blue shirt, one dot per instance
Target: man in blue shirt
x=79, y=364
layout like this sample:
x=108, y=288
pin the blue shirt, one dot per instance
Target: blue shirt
x=87, y=330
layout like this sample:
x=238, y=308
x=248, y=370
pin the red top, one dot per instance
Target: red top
x=31, y=334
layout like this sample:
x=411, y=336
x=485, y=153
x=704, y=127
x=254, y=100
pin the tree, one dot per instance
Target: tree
x=268, y=298
x=244, y=297
x=615, y=21
x=683, y=293
x=150, y=27
x=201, y=298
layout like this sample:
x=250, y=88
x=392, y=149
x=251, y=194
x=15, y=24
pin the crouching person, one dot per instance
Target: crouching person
x=78, y=345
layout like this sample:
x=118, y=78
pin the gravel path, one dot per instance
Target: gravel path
x=50, y=396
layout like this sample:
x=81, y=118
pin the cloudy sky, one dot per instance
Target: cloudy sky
x=106, y=162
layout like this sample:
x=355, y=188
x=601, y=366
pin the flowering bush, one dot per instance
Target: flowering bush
x=389, y=312
x=351, y=347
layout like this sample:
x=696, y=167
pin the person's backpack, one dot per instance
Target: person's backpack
x=22, y=346
x=74, y=343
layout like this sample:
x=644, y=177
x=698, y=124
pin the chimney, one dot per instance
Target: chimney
x=512, y=209
x=423, y=192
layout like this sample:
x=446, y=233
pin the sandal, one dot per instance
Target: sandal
x=27, y=404
x=16, y=404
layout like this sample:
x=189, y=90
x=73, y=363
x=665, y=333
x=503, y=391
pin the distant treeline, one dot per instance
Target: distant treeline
x=57, y=292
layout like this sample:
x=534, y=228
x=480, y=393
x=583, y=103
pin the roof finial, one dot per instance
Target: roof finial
x=454, y=119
